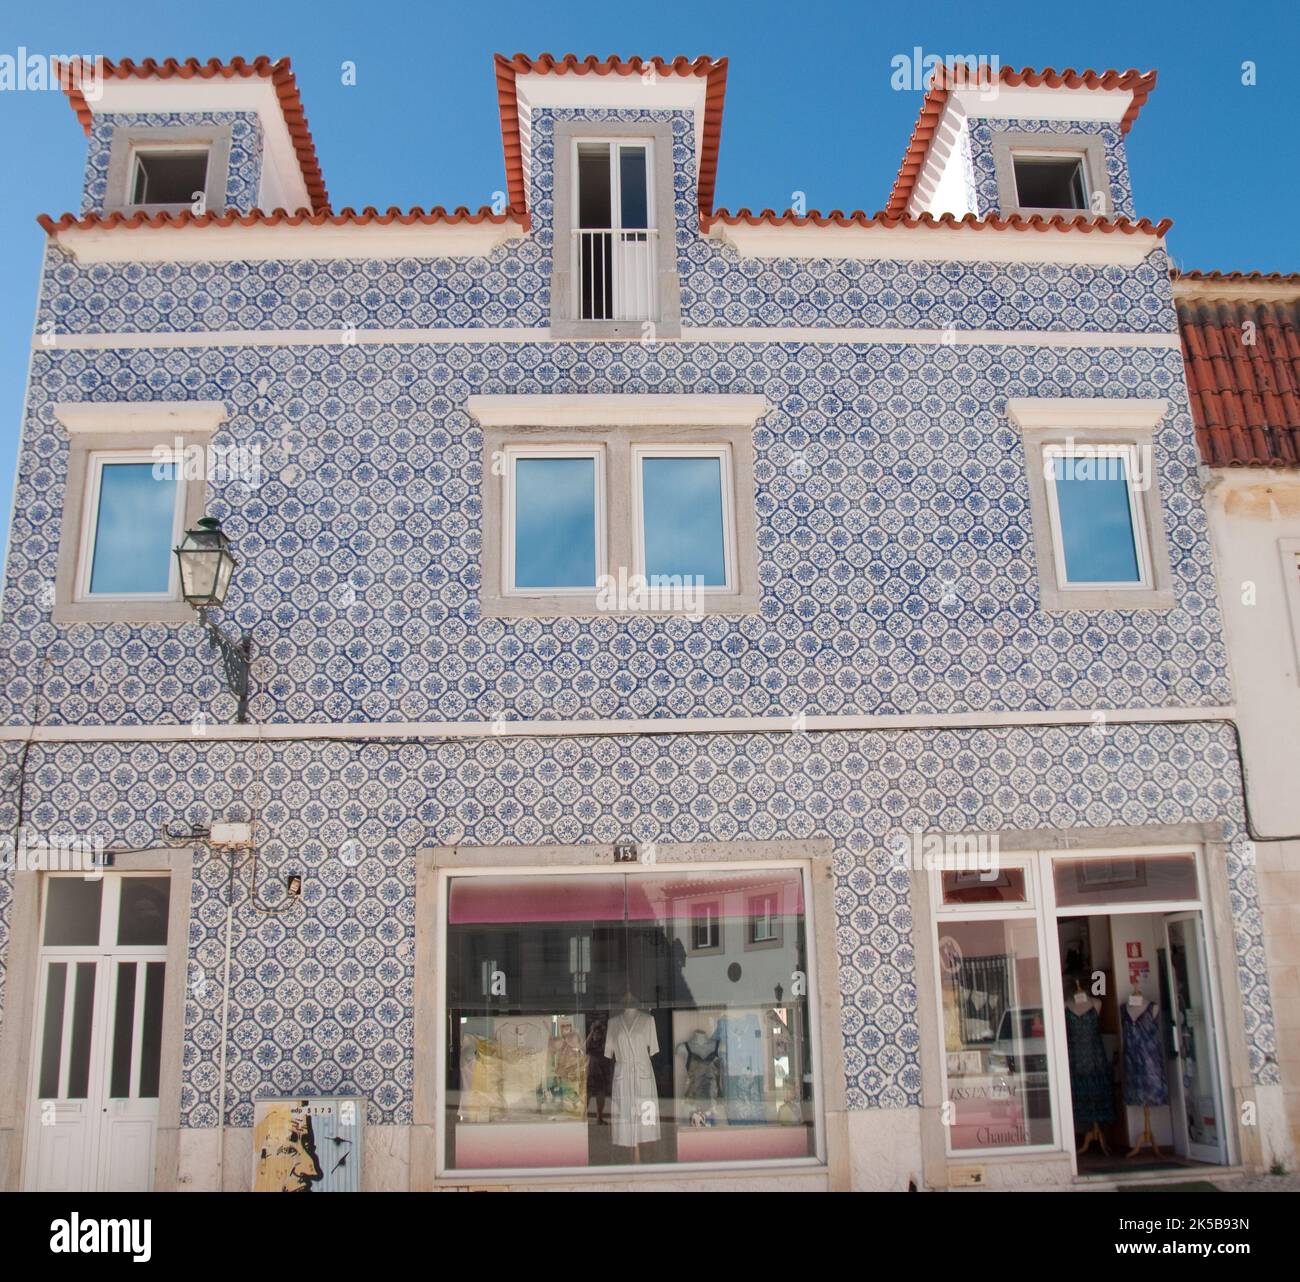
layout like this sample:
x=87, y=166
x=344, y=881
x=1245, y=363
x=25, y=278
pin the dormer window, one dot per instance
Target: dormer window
x=169, y=176
x=1050, y=182
x=615, y=255
x=168, y=169
x=1051, y=173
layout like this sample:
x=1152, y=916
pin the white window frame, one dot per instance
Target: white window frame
x=722, y=452
x=1030, y=153
x=99, y=459
x=817, y=1056
x=513, y=454
x=140, y=149
x=1007, y=863
x=1089, y=450
x=615, y=145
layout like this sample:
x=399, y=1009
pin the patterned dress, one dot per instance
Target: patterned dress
x=1144, y=1061
x=1090, y=1085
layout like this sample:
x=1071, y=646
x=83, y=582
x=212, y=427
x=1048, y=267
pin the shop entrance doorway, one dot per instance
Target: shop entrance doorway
x=1140, y=1040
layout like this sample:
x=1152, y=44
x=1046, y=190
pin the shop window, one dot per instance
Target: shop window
x=651, y=1038
x=997, y=1063
x=1124, y=880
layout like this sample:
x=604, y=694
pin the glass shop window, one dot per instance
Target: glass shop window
x=996, y=1062
x=587, y=1028
x=1125, y=880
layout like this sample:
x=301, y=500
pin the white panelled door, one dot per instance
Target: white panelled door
x=98, y=1038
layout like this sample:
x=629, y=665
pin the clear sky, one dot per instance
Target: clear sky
x=809, y=105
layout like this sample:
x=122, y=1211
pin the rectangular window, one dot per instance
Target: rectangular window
x=1097, y=522
x=683, y=513
x=996, y=1060
x=585, y=1029
x=169, y=176
x=613, y=233
x=1050, y=182
x=555, y=518
x=764, y=920
x=132, y=524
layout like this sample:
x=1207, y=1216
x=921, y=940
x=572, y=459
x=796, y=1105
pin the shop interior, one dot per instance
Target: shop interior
x=1139, y=1034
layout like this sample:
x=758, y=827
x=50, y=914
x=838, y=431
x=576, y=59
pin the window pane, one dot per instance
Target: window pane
x=588, y=1029
x=83, y=1011
x=1003, y=886
x=123, y=1031
x=555, y=523
x=72, y=912
x=632, y=187
x=995, y=1037
x=56, y=992
x=151, y=1032
x=1050, y=184
x=1096, y=520
x=594, y=204
x=134, y=528
x=142, y=917
x=169, y=177
x=681, y=509
x=1149, y=879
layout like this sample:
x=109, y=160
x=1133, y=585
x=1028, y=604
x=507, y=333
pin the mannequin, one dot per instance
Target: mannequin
x=1144, y=1063
x=703, y=1072
x=630, y=1041
x=1090, y=1083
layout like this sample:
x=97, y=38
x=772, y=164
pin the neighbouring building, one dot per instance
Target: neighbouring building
x=1241, y=344
x=737, y=699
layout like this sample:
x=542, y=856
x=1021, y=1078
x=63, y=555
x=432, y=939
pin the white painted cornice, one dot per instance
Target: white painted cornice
x=86, y=417
x=1092, y=412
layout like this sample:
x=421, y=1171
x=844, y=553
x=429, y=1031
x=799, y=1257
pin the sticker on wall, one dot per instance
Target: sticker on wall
x=307, y=1145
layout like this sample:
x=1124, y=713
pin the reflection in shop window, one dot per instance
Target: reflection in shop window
x=995, y=1036
x=624, y=1022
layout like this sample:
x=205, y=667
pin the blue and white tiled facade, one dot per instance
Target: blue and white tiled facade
x=897, y=574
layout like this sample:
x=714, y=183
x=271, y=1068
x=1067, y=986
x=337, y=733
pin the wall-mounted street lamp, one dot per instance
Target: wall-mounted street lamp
x=207, y=565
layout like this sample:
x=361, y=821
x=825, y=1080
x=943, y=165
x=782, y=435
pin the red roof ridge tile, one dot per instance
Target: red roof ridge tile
x=275, y=217
x=714, y=70
x=1016, y=222
x=1234, y=278
x=936, y=98
x=282, y=80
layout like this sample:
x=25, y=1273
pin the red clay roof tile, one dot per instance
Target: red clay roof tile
x=507, y=69
x=1245, y=394
x=1012, y=222
x=282, y=80
x=275, y=217
x=936, y=98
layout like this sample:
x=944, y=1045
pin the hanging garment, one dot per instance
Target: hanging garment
x=740, y=1037
x=1144, y=1061
x=1090, y=1084
x=523, y=1044
x=482, y=1101
x=630, y=1040
x=566, y=1081
x=703, y=1068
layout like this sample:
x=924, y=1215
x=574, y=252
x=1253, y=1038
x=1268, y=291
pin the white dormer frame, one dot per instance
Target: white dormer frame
x=131, y=141
x=1012, y=145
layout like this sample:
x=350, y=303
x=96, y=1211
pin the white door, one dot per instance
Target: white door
x=98, y=1037
x=1196, y=1099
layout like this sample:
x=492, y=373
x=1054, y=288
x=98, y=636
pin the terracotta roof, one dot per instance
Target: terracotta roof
x=714, y=70
x=286, y=90
x=275, y=217
x=1245, y=396
x=936, y=98
x=1012, y=222
x=1240, y=278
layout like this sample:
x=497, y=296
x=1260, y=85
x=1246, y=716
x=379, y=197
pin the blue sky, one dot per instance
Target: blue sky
x=809, y=106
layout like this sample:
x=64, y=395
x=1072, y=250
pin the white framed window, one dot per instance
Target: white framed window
x=706, y=927
x=1050, y=179
x=614, y=233
x=132, y=520
x=683, y=515
x=1094, y=501
x=168, y=175
x=554, y=537
x=766, y=928
x=1098, y=530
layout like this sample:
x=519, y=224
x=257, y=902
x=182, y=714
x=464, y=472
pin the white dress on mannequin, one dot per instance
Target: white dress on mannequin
x=630, y=1040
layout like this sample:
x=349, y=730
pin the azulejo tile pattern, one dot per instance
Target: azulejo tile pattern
x=322, y=995
x=511, y=287
x=985, y=179
x=244, y=175
x=894, y=543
